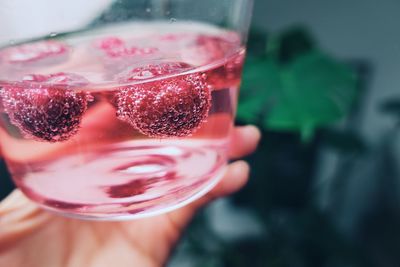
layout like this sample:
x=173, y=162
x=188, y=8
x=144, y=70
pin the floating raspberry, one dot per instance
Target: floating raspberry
x=211, y=44
x=173, y=37
x=34, y=51
x=152, y=71
x=227, y=75
x=44, y=111
x=110, y=43
x=173, y=107
x=57, y=79
x=130, y=51
x=204, y=49
x=116, y=48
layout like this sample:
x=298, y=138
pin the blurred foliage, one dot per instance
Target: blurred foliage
x=291, y=85
x=294, y=92
x=344, y=141
x=391, y=107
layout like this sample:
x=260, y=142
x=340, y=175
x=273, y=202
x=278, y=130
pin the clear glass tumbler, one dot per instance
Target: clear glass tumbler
x=114, y=110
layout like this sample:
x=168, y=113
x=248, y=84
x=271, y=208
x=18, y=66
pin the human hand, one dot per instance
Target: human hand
x=35, y=238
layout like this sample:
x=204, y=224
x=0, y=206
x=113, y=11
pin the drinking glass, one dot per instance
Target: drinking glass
x=114, y=110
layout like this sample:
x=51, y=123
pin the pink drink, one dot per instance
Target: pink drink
x=120, y=122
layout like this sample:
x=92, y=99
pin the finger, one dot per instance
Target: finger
x=16, y=208
x=235, y=178
x=18, y=218
x=244, y=141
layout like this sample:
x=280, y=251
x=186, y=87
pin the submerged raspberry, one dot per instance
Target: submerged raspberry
x=33, y=51
x=152, y=71
x=174, y=107
x=44, y=112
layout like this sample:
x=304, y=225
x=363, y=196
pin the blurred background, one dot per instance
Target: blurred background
x=321, y=81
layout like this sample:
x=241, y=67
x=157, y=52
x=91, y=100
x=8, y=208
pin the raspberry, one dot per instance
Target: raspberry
x=173, y=107
x=110, y=43
x=130, y=51
x=204, y=50
x=212, y=45
x=152, y=71
x=227, y=75
x=137, y=187
x=65, y=79
x=116, y=48
x=133, y=188
x=34, y=51
x=45, y=109
x=173, y=37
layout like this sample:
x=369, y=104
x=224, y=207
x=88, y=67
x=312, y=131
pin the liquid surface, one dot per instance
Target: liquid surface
x=120, y=122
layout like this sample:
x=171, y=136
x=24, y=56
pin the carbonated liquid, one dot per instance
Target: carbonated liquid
x=120, y=122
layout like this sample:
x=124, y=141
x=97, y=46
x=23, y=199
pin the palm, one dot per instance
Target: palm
x=32, y=237
x=48, y=240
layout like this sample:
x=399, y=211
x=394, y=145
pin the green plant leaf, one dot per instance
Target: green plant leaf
x=260, y=85
x=313, y=91
x=391, y=107
x=289, y=44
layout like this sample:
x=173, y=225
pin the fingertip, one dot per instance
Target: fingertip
x=240, y=168
x=240, y=176
x=254, y=132
x=235, y=178
x=244, y=141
